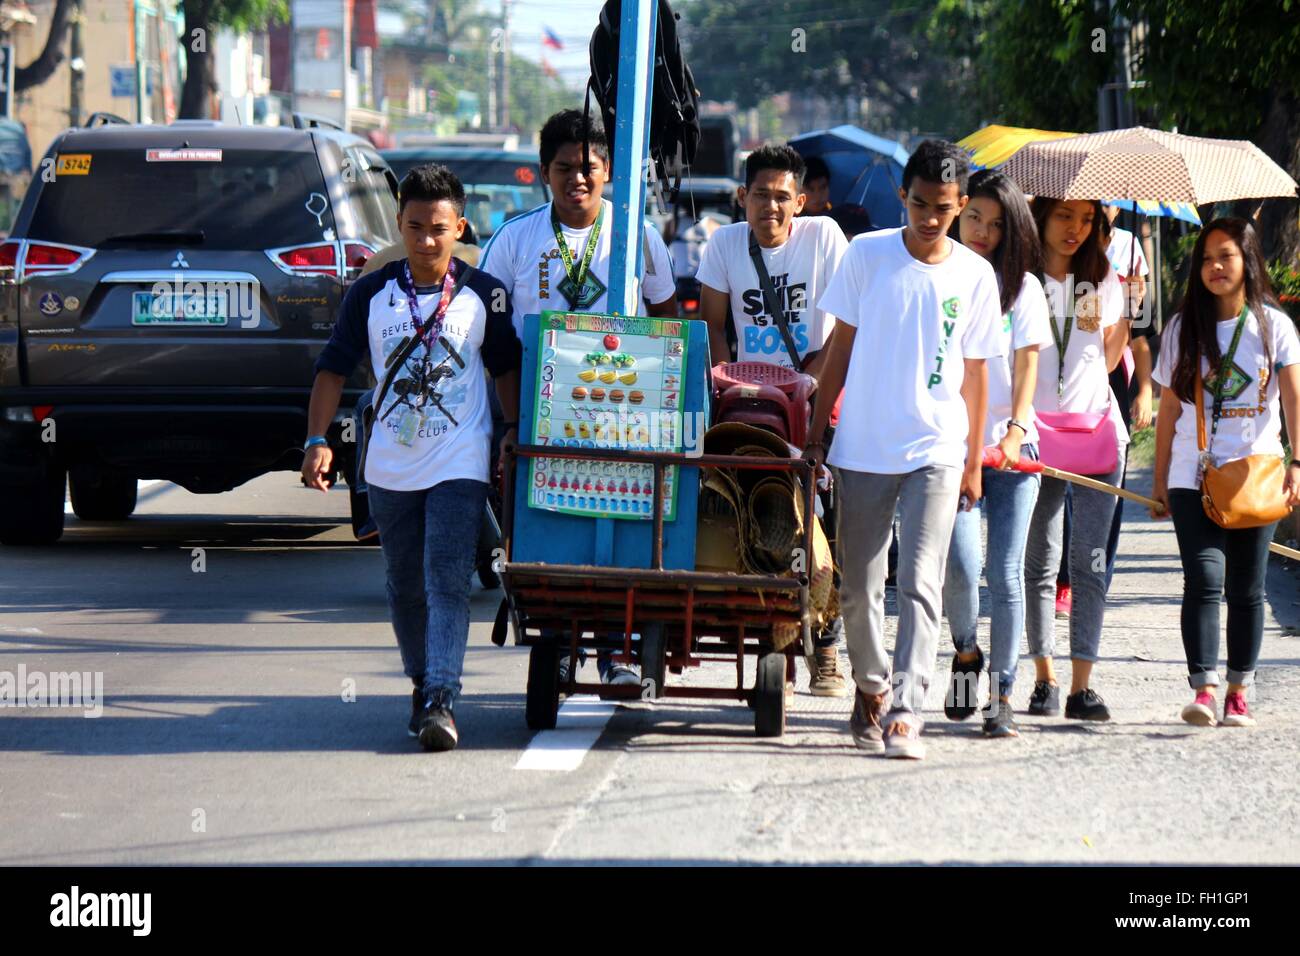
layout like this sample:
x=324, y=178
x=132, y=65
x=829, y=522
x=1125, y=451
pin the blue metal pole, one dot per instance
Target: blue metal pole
x=630, y=141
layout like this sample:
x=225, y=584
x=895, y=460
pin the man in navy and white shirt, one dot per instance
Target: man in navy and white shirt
x=427, y=459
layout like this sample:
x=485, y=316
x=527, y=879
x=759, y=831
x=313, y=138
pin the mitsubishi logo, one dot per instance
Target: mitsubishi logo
x=179, y=262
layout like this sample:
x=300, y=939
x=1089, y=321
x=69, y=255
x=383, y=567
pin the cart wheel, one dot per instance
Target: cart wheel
x=769, y=696
x=652, y=661
x=543, y=699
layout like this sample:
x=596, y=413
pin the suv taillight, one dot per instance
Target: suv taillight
x=355, y=255
x=9, y=259
x=53, y=258
x=317, y=259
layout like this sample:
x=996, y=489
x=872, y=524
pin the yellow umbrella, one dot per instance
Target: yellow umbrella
x=995, y=144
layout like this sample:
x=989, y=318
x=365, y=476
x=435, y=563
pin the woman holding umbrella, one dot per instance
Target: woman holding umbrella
x=1234, y=352
x=1078, y=421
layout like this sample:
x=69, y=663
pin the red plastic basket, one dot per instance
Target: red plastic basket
x=754, y=373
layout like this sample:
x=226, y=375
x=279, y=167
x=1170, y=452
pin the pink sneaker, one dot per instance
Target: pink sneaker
x=1201, y=711
x=1062, y=600
x=1235, y=711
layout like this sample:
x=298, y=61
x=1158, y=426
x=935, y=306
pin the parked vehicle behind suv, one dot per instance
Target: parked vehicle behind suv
x=163, y=295
x=499, y=184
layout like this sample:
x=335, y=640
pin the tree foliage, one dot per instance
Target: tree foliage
x=205, y=16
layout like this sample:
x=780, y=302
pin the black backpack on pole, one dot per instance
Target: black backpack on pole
x=675, y=102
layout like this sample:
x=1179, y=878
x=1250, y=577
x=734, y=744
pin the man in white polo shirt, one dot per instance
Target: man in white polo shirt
x=917, y=316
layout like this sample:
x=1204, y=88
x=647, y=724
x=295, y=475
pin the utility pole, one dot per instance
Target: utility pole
x=76, y=64
x=503, y=99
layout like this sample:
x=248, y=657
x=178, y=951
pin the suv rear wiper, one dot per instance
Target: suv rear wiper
x=169, y=237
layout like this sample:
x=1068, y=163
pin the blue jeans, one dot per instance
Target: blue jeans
x=429, y=540
x=1008, y=504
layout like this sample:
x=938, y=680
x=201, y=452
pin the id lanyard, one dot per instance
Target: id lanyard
x=1062, y=340
x=577, y=276
x=1221, y=383
x=433, y=328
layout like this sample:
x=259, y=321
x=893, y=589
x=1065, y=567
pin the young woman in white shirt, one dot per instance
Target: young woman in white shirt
x=1086, y=303
x=1228, y=302
x=997, y=224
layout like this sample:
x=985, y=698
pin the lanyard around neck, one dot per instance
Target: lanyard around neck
x=433, y=328
x=1221, y=381
x=577, y=276
x=1062, y=339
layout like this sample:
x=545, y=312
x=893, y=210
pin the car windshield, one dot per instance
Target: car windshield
x=230, y=199
x=495, y=189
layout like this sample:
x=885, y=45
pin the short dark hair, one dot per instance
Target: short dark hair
x=776, y=156
x=567, y=126
x=938, y=161
x=815, y=168
x=431, y=182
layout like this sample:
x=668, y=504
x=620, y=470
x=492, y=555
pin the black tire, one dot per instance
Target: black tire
x=542, y=703
x=769, y=696
x=32, y=514
x=99, y=495
x=653, y=661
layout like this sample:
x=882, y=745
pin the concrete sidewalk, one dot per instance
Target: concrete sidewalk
x=1144, y=788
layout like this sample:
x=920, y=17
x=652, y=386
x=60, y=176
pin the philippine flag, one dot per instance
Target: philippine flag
x=550, y=40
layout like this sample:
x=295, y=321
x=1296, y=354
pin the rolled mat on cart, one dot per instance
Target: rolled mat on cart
x=752, y=522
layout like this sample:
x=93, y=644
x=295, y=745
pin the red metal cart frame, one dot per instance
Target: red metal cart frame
x=684, y=618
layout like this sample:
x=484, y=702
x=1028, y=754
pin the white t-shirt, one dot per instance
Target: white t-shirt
x=800, y=268
x=524, y=255
x=902, y=408
x=1251, y=423
x=417, y=443
x=1025, y=326
x=1087, y=381
x=1125, y=253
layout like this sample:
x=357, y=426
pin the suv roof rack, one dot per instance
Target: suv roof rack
x=102, y=118
x=312, y=121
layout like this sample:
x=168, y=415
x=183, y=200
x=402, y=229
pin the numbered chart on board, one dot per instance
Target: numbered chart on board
x=607, y=381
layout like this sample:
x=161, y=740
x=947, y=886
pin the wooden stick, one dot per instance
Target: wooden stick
x=1096, y=485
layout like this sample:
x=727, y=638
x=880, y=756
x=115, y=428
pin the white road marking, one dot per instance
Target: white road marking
x=579, y=725
x=139, y=487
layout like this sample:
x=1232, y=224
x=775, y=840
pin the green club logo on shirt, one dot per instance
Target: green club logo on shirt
x=951, y=307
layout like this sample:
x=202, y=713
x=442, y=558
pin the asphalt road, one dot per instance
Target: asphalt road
x=255, y=711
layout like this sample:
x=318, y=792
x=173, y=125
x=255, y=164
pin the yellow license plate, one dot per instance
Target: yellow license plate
x=73, y=164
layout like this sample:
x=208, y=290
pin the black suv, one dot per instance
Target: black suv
x=164, y=293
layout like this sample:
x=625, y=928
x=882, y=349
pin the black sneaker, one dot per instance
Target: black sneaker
x=1002, y=723
x=1086, y=705
x=417, y=712
x=437, y=725
x=1045, y=701
x=963, y=687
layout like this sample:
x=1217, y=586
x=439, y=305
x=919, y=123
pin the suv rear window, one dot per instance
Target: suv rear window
x=250, y=199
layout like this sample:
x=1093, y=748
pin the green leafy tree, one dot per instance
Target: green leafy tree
x=887, y=51
x=202, y=19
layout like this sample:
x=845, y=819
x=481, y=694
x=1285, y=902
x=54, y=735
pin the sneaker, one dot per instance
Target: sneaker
x=1062, y=600
x=437, y=725
x=864, y=723
x=1045, y=700
x=1235, y=711
x=369, y=531
x=1086, y=705
x=963, y=687
x=827, y=680
x=417, y=712
x=903, y=739
x=1002, y=723
x=563, y=671
x=620, y=675
x=1201, y=711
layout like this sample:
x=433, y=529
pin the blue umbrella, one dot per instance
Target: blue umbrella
x=866, y=170
x=1170, y=210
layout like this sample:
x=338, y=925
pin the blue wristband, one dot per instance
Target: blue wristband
x=315, y=441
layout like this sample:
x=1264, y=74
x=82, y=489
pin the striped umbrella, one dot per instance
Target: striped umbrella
x=1148, y=165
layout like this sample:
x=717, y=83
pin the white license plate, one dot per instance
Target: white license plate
x=168, y=308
